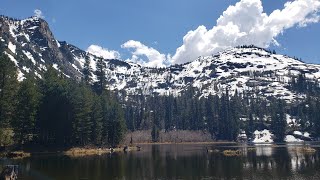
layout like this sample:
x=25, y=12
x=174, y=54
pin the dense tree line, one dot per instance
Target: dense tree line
x=56, y=111
x=224, y=116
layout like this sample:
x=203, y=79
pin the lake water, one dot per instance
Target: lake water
x=177, y=161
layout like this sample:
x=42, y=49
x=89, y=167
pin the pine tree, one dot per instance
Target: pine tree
x=113, y=123
x=250, y=125
x=55, y=115
x=27, y=109
x=82, y=111
x=168, y=112
x=101, y=76
x=155, y=133
x=278, y=124
x=97, y=118
x=117, y=127
x=316, y=119
x=8, y=90
x=87, y=70
x=235, y=111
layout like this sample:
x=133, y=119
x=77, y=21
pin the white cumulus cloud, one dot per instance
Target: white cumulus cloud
x=144, y=55
x=38, y=13
x=246, y=23
x=103, y=52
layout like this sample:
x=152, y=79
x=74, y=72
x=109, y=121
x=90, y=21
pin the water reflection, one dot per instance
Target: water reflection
x=265, y=150
x=179, y=162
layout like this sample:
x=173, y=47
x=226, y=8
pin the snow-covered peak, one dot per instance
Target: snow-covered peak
x=32, y=46
x=240, y=69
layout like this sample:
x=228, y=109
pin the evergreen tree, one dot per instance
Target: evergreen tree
x=97, y=118
x=8, y=90
x=56, y=109
x=101, y=76
x=168, y=107
x=28, y=98
x=316, y=119
x=82, y=111
x=250, y=125
x=155, y=133
x=113, y=123
x=278, y=124
x=116, y=125
x=235, y=111
x=87, y=70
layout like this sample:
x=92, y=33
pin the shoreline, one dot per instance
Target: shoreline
x=206, y=142
x=91, y=151
x=79, y=151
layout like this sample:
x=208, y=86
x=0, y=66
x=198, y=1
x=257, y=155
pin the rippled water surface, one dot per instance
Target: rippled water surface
x=178, y=161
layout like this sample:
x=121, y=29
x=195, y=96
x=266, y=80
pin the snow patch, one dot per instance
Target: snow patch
x=291, y=138
x=12, y=47
x=29, y=56
x=20, y=76
x=37, y=74
x=58, y=44
x=297, y=133
x=306, y=134
x=26, y=69
x=292, y=122
x=263, y=136
x=55, y=66
x=12, y=58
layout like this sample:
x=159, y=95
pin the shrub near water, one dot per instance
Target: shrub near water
x=232, y=152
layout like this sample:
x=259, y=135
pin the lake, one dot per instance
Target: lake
x=177, y=161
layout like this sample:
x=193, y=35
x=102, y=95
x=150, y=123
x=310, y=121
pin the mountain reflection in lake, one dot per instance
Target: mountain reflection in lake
x=178, y=161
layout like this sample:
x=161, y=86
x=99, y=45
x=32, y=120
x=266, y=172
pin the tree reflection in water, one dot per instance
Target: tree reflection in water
x=179, y=161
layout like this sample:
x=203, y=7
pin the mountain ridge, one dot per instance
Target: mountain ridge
x=33, y=47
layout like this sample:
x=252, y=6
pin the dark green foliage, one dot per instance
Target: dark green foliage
x=301, y=84
x=101, y=76
x=97, y=118
x=57, y=111
x=113, y=123
x=155, y=133
x=278, y=121
x=116, y=125
x=8, y=90
x=82, y=125
x=218, y=115
x=28, y=101
x=61, y=112
x=87, y=76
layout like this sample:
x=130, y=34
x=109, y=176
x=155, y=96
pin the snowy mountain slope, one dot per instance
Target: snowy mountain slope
x=243, y=69
x=32, y=46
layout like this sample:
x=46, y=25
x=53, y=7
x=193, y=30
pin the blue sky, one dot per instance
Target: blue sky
x=157, y=28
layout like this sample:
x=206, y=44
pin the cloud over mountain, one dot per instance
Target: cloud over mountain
x=144, y=55
x=246, y=23
x=38, y=13
x=103, y=52
x=241, y=24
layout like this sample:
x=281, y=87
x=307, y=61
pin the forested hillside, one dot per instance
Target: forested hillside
x=56, y=111
x=59, y=111
x=55, y=94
